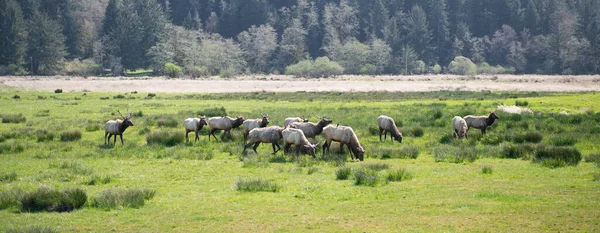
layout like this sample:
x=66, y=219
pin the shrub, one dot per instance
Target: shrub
x=8, y=177
x=47, y=199
x=596, y=176
x=96, y=179
x=10, y=199
x=446, y=139
x=511, y=151
x=58, y=91
x=13, y=118
x=165, y=138
x=119, y=96
x=83, y=68
x=92, y=127
x=435, y=69
x=417, y=132
x=485, y=68
x=172, y=70
x=321, y=67
x=199, y=71
x=487, y=170
x=11, y=148
x=492, y=139
x=462, y=66
x=138, y=114
x=452, y=154
x=277, y=159
x=120, y=197
x=398, y=175
x=377, y=166
x=562, y=140
x=343, y=172
x=366, y=177
x=557, y=156
x=167, y=122
x=256, y=185
x=532, y=137
x=70, y=135
x=419, y=67
x=521, y=102
x=43, y=135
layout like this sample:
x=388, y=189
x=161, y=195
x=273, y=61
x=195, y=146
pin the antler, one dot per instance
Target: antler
x=128, y=113
x=119, y=111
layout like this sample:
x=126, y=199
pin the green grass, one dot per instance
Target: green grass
x=191, y=187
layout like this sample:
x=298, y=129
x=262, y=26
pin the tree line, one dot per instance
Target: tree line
x=302, y=37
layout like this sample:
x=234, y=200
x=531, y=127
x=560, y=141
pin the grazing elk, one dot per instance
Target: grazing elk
x=224, y=123
x=481, y=122
x=387, y=124
x=460, y=127
x=251, y=124
x=195, y=125
x=345, y=136
x=311, y=130
x=265, y=135
x=296, y=137
x=117, y=127
x=291, y=120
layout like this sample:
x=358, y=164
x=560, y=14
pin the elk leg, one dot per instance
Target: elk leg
x=197, y=139
x=115, y=140
x=106, y=133
x=109, y=135
x=256, y=146
x=186, y=136
x=121, y=136
x=275, y=144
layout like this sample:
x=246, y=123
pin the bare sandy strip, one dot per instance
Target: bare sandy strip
x=282, y=83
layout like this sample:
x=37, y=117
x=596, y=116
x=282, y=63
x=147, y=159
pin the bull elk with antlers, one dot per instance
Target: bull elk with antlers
x=117, y=127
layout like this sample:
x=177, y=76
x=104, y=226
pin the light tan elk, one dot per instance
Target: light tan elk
x=117, y=127
x=296, y=137
x=460, y=127
x=387, y=124
x=311, y=130
x=265, y=135
x=194, y=125
x=251, y=124
x=224, y=123
x=291, y=120
x=481, y=122
x=345, y=136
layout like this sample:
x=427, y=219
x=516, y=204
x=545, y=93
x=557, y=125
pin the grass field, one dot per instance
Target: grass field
x=532, y=172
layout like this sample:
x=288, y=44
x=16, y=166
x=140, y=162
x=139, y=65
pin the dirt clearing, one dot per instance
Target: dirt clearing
x=282, y=83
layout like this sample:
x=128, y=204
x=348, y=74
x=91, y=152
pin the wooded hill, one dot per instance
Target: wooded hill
x=302, y=37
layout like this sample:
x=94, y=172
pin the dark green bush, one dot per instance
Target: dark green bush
x=11, y=147
x=343, y=172
x=532, y=137
x=492, y=139
x=92, y=127
x=417, y=132
x=58, y=91
x=165, y=138
x=119, y=96
x=521, y=102
x=366, y=177
x=487, y=170
x=557, y=156
x=446, y=139
x=121, y=197
x=70, y=135
x=256, y=185
x=43, y=135
x=13, y=118
x=511, y=151
x=562, y=140
x=47, y=199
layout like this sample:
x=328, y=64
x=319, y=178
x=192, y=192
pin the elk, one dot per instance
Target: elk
x=224, y=123
x=296, y=137
x=195, y=125
x=345, y=136
x=117, y=127
x=265, y=135
x=460, y=127
x=311, y=130
x=481, y=122
x=387, y=124
x=291, y=120
x=251, y=124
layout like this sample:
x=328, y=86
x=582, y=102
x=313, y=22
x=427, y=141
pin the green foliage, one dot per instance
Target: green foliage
x=492, y=139
x=169, y=122
x=454, y=154
x=212, y=112
x=435, y=69
x=58, y=91
x=557, y=156
x=96, y=179
x=46, y=48
x=343, y=172
x=70, y=135
x=165, y=138
x=172, y=70
x=33, y=229
x=417, y=131
x=366, y=177
x=563, y=140
x=13, y=118
x=322, y=67
x=377, y=166
x=51, y=200
x=43, y=135
x=398, y=175
x=462, y=66
x=532, y=137
x=8, y=177
x=199, y=72
x=405, y=152
x=122, y=197
x=487, y=169
x=256, y=185
x=521, y=103
x=511, y=151
x=82, y=68
x=593, y=158
x=485, y=68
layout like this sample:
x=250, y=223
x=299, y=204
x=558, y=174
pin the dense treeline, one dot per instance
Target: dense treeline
x=228, y=37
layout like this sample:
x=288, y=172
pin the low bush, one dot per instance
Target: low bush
x=557, y=156
x=521, y=103
x=43, y=135
x=531, y=137
x=169, y=122
x=492, y=139
x=172, y=70
x=417, y=132
x=511, y=151
x=11, y=147
x=120, y=197
x=487, y=170
x=366, y=177
x=398, y=175
x=321, y=67
x=13, y=118
x=51, y=200
x=58, y=91
x=446, y=139
x=343, y=172
x=485, y=68
x=83, y=68
x=256, y=185
x=562, y=140
x=462, y=66
x=405, y=152
x=312, y=170
x=165, y=138
x=70, y=135
x=92, y=127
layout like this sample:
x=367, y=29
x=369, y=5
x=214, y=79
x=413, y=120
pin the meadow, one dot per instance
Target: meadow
x=530, y=172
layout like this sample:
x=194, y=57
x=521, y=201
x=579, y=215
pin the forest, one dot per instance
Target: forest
x=317, y=38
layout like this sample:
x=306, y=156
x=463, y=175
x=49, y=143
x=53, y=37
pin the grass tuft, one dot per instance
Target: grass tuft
x=8, y=177
x=343, y=172
x=417, y=132
x=13, y=118
x=312, y=170
x=51, y=200
x=398, y=175
x=121, y=197
x=96, y=179
x=377, y=166
x=165, y=138
x=43, y=135
x=256, y=185
x=487, y=169
x=554, y=157
x=70, y=135
x=366, y=177
x=593, y=158
x=562, y=140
